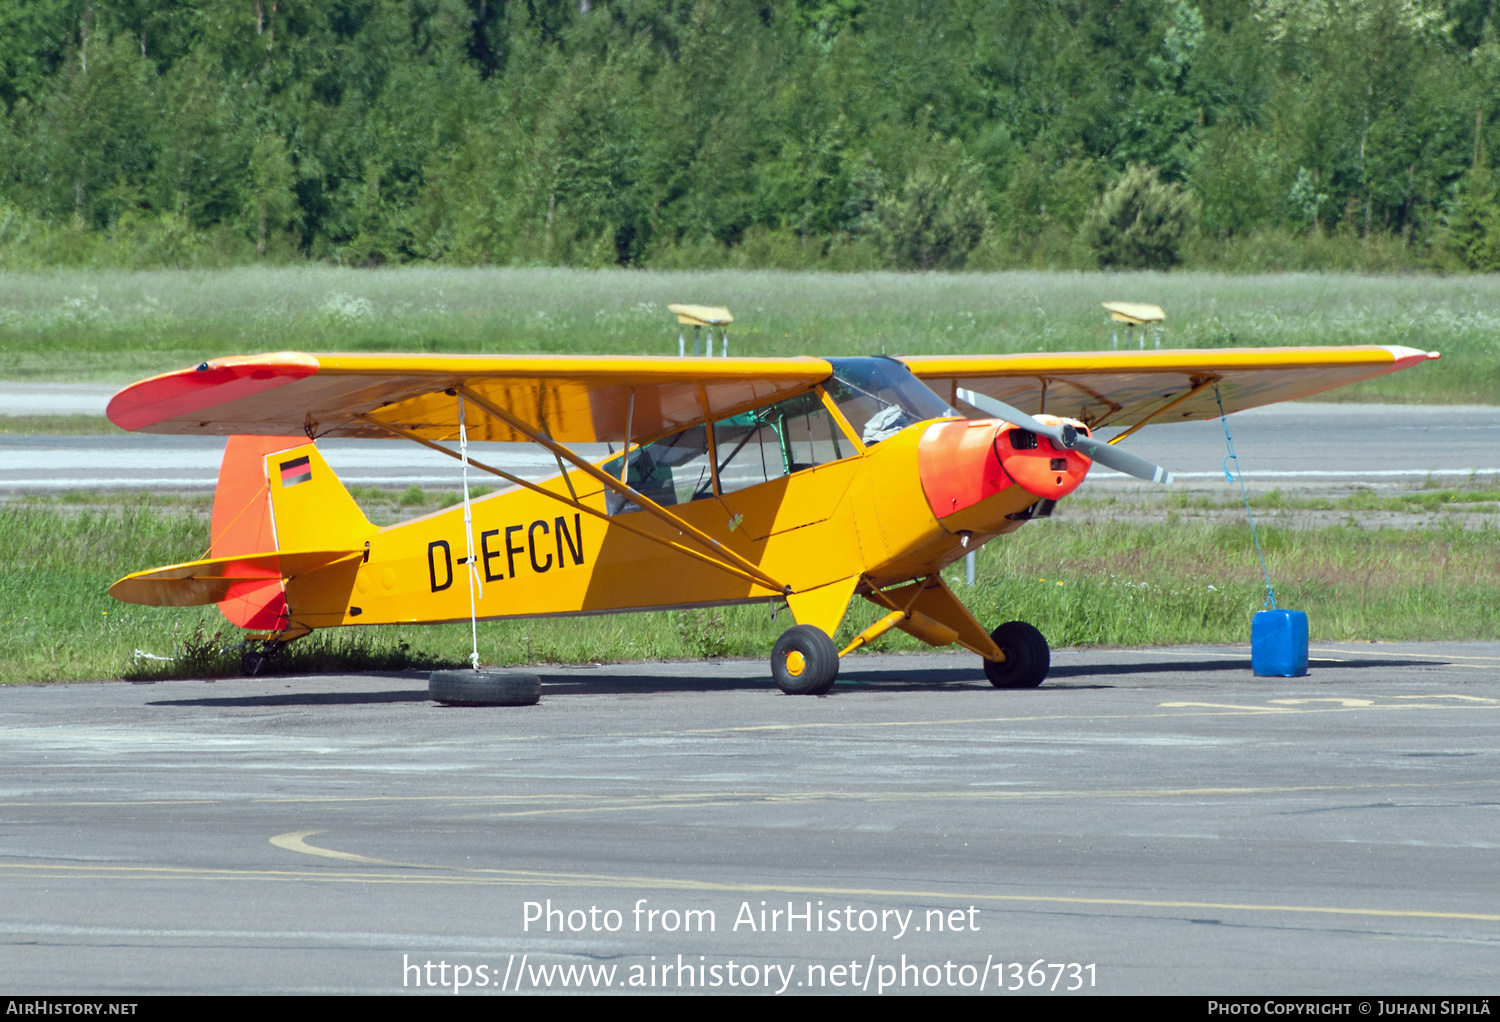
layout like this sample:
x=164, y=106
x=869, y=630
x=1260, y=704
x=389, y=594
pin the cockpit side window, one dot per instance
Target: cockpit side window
x=754, y=447
x=673, y=470
x=768, y=443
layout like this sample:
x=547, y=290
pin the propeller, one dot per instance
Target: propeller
x=1068, y=437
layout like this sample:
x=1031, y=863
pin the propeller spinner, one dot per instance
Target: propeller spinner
x=1068, y=437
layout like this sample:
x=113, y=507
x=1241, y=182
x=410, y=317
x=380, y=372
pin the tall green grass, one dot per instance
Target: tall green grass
x=115, y=325
x=1172, y=583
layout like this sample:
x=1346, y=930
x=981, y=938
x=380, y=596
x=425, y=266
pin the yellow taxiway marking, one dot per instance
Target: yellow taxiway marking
x=846, y=725
x=498, y=877
x=1349, y=656
x=601, y=880
x=731, y=801
x=695, y=800
x=1344, y=703
x=1324, y=649
x=1403, y=653
x=1472, y=699
x=1039, y=718
x=1323, y=699
x=296, y=841
x=1227, y=706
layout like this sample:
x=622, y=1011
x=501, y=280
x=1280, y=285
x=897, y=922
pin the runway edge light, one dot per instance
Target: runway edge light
x=1278, y=644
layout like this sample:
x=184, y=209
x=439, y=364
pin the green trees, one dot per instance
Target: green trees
x=929, y=135
x=1140, y=223
x=1471, y=236
x=933, y=222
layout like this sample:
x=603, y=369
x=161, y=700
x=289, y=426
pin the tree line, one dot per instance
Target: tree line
x=837, y=133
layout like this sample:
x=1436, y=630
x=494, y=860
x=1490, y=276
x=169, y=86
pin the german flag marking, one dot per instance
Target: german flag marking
x=298, y=470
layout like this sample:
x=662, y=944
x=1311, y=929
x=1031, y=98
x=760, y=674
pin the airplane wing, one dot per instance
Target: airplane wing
x=572, y=398
x=1122, y=388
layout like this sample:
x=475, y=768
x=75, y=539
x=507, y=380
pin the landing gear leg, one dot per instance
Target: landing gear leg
x=1027, y=657
x=804, y=661
x=256, y=659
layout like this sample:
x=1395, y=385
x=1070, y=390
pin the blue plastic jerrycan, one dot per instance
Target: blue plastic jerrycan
x=1278, y=644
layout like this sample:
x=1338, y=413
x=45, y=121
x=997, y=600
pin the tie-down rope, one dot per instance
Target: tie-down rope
x=474, y=582
x=1270, y=603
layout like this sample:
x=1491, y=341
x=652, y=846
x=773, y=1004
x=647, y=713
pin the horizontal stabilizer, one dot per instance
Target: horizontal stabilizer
x=199, y=583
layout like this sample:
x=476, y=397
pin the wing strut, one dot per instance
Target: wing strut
x=574, y=504
x=642, y=501
x=1201, y=385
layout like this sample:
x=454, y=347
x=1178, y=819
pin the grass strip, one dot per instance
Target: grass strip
x=118, y=326
x=67, y=425
x=1081, y=584
x=1479, y=498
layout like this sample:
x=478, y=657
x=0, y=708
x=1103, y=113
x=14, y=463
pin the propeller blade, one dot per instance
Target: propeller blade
x=1097, y=450
x=1123, y=461
x=1000, y=410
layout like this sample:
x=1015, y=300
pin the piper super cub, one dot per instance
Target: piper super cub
x=804, y=480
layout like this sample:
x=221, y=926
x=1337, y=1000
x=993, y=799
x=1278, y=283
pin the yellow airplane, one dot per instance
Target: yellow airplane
x=803, y=480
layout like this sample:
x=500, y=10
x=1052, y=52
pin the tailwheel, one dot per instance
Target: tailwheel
x=256, y=659
x=1026, y=656
x=804, y=661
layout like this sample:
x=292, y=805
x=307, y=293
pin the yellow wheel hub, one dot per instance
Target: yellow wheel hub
x=796, y=663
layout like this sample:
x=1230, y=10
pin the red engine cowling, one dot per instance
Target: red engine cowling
x=964, y=462
x=1038, y=465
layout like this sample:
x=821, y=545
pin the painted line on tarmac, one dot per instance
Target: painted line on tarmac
x=96, y=483
x=1204, y=708
x=1238, y=655
x=1424, y=656
x=295, y=840
x=605, y=880
x=1383, y=473
x=338, y=938
x=1352, y=654
x=512, y=878
x=811, y=798
x=1210, y=710
x=852, y=725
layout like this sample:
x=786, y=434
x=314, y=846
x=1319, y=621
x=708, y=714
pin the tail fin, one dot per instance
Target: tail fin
x=277, y=493
x=311, y=509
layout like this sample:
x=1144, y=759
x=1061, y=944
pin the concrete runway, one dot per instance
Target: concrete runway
x=1159, y=819
x=1289, y=445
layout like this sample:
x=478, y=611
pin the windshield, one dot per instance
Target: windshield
x=880, y=397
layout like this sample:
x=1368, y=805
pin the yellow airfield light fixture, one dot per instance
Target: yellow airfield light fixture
x=1134, y=314
x=698, y=317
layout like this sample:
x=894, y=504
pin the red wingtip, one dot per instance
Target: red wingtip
x=170, y=395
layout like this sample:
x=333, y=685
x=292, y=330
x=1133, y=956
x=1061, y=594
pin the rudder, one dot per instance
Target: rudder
x=243, y=524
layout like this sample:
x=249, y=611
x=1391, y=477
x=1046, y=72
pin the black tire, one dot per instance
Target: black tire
x=804, y=661
x=254, y=662
x=1027, y=657
x=484, y=688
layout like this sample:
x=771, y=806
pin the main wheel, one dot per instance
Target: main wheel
x=804, y=661
x=1026, y=656
x=484, y=688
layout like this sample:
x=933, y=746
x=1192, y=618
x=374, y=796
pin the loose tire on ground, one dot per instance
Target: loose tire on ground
x=484, y=688
x=804, y=661
x=1027, y=657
